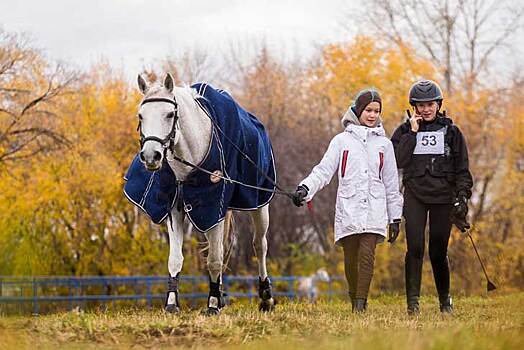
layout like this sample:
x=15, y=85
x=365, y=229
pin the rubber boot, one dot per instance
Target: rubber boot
x=413, y=270
x=359, y=305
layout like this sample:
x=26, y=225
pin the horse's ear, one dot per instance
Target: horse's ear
x=142, y=85
x=168, y=82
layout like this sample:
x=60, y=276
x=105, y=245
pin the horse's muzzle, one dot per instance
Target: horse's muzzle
x=152, y=159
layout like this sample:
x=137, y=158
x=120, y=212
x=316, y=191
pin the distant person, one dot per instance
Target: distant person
x=368, y=197
x=433, y=155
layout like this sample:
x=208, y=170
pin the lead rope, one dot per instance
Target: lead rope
x=228, y=179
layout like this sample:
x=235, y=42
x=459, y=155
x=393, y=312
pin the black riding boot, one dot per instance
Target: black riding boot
x=446, y=304
x=413, y=269
x=441, y=275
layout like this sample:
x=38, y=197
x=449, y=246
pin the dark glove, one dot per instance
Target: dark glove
x=393, y=231
x=459, y=213
x=462, y=225
x=299, y=195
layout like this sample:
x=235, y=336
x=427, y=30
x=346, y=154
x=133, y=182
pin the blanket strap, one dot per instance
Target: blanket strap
x=278, y=190
x=246, y=157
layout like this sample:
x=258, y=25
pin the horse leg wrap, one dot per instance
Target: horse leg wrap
x=172, y=303
x=267, y=302
x=215, y=300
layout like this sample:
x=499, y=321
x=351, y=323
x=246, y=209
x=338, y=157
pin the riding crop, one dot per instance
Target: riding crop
x=490, y=285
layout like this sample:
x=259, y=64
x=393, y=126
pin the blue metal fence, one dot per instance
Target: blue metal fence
x=76, y=291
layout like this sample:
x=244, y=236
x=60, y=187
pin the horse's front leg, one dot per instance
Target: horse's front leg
x=176, y=239
x=215, y=257
x=261, y=223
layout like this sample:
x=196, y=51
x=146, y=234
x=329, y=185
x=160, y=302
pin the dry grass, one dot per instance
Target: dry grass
x=478, y=323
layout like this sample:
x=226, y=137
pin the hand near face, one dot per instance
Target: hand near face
x=415, y=121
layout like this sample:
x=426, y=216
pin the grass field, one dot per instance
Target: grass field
x=495, y=322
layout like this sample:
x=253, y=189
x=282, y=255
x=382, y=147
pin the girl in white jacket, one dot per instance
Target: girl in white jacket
x=368, y=197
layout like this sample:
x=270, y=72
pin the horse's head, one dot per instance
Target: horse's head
x=158, y=121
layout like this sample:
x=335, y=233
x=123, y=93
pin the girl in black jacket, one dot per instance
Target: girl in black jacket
x=432, y=153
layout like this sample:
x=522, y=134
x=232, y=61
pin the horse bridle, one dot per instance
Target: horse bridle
x=169, y=141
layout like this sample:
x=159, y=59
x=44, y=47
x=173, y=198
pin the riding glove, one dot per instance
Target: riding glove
x=393, y=230
x=459, y=213
x=299, y=195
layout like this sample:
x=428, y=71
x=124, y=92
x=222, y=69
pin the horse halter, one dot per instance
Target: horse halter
x=169, y=140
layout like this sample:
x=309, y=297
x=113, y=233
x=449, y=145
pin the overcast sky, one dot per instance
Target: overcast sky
x=133, y=33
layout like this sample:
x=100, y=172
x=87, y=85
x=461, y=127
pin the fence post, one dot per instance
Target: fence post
x=251, y=284
x=193, y=291
x=148, y=292
x=225, y=281
x=77, y=292
x=70, y=291
x=35, y=297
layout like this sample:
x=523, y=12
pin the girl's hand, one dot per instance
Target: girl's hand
x=393, y=231
x=415, y=121
x=299, y=195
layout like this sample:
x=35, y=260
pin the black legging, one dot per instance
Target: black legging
x=415, y=213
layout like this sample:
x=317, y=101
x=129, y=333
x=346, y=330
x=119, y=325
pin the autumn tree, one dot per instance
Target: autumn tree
x=460, y=37
x=63, y=212
x=31, y=90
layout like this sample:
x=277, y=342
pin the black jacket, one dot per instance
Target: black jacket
x=434, y=178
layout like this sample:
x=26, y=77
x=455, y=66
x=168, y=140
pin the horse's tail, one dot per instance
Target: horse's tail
x=229, y=238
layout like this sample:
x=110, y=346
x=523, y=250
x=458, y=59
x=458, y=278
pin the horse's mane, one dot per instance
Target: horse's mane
x=158, y=90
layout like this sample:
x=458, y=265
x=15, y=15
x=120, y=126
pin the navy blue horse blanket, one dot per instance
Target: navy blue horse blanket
x=204, y=201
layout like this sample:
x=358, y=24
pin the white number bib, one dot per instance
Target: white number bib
x=429, y=142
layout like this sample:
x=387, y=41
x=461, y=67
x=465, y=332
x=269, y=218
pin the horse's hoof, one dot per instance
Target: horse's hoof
x=172, y=304
x=172, y=309
x=211, y=311
x=267, y=305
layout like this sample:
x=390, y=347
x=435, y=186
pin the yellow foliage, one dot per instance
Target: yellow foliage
x=64, y=212
x=348, y=68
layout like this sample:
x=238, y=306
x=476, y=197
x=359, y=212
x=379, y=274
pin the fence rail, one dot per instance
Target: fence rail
x=76, y=291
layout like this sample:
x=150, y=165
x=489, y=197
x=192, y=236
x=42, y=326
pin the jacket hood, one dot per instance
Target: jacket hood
x=350, y=117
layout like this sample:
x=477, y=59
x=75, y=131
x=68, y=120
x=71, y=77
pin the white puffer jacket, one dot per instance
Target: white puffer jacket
x=368, y=196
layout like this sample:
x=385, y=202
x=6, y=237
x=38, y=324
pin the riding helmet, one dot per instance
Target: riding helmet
x=425, y=91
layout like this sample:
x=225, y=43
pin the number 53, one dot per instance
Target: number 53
x=430, y=140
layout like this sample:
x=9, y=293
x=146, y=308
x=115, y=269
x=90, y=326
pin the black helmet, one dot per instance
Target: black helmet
x=425, y=91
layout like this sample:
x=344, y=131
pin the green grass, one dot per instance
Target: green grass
x=478, y=323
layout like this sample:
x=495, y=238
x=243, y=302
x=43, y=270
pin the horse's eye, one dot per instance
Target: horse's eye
x=139, y=116
x=170, y=115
